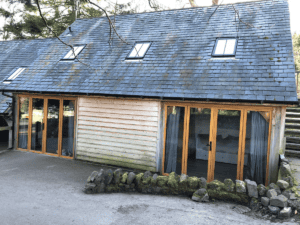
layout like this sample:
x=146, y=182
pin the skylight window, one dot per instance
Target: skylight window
x=16, y=73
x=77, y=50
x=139, y=50
x=225, y=47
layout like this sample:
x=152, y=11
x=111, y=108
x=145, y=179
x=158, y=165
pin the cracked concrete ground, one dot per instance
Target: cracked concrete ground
x=38, y=189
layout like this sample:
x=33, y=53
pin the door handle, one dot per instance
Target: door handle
x=209, y=145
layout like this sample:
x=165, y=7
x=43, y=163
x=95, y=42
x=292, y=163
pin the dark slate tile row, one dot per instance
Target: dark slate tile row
x=179, y=62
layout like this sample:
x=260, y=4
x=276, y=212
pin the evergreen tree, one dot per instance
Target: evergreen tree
x=22, y=20
x=296, y=47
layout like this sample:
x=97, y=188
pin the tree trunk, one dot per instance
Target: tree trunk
x=215, y=2
x=192, y=2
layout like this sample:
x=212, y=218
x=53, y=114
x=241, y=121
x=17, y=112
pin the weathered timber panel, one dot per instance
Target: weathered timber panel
x=118, y=132
x=276, y=136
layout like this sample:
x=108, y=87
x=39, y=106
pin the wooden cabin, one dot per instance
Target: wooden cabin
x=201, y=91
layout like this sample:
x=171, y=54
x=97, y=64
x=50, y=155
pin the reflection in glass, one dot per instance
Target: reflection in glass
x=23, y=122
x=198, y=140
x=256, y=147
x=227, y=145
x=68, y=128
x=37, y=124
x=174, y=139
x=52, y=126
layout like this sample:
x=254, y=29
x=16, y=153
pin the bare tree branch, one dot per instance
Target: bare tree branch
x=153, y=5
x=238, y=15
x=215, y=2
x=110, y=22
x=55, y=34
x=192, y=2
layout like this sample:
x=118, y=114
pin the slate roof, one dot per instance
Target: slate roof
x=18, y=53
x=179, y=62
x=4, y=103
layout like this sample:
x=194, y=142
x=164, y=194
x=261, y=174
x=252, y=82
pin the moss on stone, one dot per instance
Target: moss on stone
x=228, y=196
x=295, y=190
x=148, y=180
x=153, y=182
x=216, y=185
x=124, y=178
x=112, y=188
x=229, y=185
x=173, y=181
x=162, y=181
x=193, y=182
x=138, y=178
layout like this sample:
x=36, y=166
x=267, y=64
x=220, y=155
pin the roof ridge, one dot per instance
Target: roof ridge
x=40, y=39
x=190, y=8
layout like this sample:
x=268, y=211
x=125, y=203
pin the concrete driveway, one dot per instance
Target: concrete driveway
x=39, y=190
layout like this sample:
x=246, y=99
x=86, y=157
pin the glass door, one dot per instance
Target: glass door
x=68, y=128
x=227, y=144
x=199, y=144
x=53, y=106
x=174, y=139
x=37, y=124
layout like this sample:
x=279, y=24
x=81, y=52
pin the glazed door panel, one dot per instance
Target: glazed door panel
x=52, y=141
x=37, y=124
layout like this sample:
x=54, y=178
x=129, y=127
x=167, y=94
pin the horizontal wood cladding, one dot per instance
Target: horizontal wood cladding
x=118, y=132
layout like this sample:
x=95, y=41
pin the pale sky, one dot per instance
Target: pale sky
x=172, y=4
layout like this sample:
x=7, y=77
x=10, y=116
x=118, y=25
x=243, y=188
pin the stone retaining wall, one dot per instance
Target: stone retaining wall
x=280, y=199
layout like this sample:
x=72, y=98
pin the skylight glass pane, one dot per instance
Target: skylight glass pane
x=78, y=49
x=70, y=54
x=143, y=50
x=220, y=47
x=230, y=47
x=16, y=73
x=135, y=50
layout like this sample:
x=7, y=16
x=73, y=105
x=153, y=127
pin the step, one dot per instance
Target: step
x=292, y=152
x=292, y=133
x=293, y=109
x=292, y=126
x=293, y=140
x=293, y=114
x=292, y=146
x=292, y=120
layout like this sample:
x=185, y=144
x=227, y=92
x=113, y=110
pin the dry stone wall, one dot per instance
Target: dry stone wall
x=279, y=200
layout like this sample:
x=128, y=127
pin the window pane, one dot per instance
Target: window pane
x=52, y=126
x=68, y=128
x=197, y=163
x=220, y=47
x=256, y=147
x=37, y=124
x=70, y=53
x=227, y=145
x=23, y=122
x=135, y=50
x=78, y=49
x=16, y=73
x=143, y=50
x=230, y=47
x=174, y=139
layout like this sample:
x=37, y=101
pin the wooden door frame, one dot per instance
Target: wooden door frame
x=213, y=134
x=44, y=142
